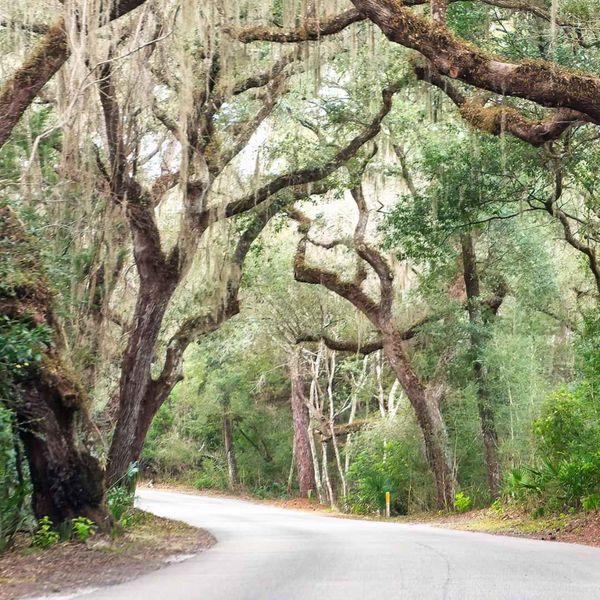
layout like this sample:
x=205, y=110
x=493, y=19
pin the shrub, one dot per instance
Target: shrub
x=14, y=490
x=590, y=502
x=462, y=502
x=45, y=535
x=83, y=528
x=211, y=477
x=119, y=500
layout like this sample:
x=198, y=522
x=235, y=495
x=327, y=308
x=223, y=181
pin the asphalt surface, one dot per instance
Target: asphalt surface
x=268, y=553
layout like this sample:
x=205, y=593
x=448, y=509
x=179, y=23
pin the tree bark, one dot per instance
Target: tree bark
x=51, y=408
x=301, y=421
x=44, y=61
x=429, y=418
x=381, y=315
x=138, y=397
x=484, y=405
x=232, y=468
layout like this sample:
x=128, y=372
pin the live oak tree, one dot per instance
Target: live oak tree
x=573, y=95
x=51, y=407
x=424, y=397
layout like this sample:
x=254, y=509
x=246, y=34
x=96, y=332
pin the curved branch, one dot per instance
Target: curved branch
x=499, y=119
x=352, y=346
x=350, y=290
x=311, y=30
x=371, y=256
x=303, y=176
x=544, y=83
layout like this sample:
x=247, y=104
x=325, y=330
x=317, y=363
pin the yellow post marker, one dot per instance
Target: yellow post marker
x=387, y=504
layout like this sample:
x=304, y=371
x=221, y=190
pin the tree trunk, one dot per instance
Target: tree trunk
x=301, y=421
x=429, y=419
x=138, y=394
x=49, y=405
x=232, y=468
x=67, y=480
x=484, y=405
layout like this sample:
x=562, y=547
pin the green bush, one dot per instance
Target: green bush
x=384, y=462
x=45, y=535
x=120, y=501
x=462, y=502
x=568, y=466
x=590, y=502
x=83, y=528
x=14, y=486
x=212, y=476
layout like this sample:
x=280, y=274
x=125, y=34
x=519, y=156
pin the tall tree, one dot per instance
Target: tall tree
x=425, y=399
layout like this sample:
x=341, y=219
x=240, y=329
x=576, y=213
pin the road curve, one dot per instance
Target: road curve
x=268, y=553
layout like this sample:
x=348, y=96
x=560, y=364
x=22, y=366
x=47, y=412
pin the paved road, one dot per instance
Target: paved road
x=266, y=553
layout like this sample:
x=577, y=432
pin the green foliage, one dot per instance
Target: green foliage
x=45, y=535
x=384, y=461
x=14, y=489
x=462, y=502
x=119, y=500
x=212, y=476
x=590, y=502
x=83, y=528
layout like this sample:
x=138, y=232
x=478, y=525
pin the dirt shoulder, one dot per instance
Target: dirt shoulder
x=580, y=528
x=149, y=543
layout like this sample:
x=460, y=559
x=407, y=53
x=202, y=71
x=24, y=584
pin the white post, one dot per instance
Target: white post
x=387, y=504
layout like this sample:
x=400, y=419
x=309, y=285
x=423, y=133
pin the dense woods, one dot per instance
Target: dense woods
x=330, y=249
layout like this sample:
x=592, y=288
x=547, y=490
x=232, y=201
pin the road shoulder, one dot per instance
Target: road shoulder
x=149, y=543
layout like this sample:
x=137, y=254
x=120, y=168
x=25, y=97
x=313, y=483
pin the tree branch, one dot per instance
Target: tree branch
x=499, y=119
x=304, y=176
x=39, y=67
x=544, y=83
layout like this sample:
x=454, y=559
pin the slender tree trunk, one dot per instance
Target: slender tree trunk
x=301, y=421
x=429, y=419
x=232, y=468
x=484, y=404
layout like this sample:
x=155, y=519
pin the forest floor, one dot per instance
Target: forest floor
x=147, y=544
x=578, y=528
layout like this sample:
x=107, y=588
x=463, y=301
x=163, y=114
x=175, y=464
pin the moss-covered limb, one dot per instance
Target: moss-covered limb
x=51, y=406
x=44, y=61
x=311, y=30
x=503, y=119
x=305, y=176
x=18, y=92
x=542, y=82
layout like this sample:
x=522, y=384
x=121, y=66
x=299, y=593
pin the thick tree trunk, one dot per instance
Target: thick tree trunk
x=232, y=468
x=67, y=480
x=301, y=421
x=50, y=406
x=138, y=397
x=429, y=418
x=484, y=405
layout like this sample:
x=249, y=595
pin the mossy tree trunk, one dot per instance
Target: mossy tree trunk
x=49, y=404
